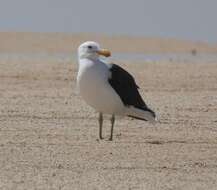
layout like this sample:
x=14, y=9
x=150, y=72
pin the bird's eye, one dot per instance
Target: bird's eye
x=89, y=47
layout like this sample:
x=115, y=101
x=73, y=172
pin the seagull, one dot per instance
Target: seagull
x=108, y=88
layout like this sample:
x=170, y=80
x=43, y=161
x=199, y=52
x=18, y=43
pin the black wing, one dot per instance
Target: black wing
x=125, y=86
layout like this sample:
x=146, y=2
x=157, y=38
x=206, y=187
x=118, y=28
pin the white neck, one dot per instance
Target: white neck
x=92, y=56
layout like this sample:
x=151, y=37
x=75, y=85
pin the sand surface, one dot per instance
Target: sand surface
x=49, y=136
x=66, y=43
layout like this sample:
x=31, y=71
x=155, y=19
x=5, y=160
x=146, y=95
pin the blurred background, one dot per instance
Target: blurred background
x=186, y=19
x=136, y=30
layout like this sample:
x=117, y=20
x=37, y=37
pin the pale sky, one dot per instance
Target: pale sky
x=183, y=19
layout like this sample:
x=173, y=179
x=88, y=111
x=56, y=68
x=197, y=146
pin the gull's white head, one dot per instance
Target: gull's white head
x=91, y=50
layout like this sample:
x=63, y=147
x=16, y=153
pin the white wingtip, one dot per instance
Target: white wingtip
x=141, y=114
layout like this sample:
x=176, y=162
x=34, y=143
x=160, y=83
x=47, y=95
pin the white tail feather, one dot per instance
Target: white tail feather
x=140, y=114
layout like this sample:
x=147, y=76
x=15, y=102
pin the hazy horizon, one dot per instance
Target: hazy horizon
x=187, y=19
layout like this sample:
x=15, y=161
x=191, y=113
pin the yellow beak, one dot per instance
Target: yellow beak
x=104, y=52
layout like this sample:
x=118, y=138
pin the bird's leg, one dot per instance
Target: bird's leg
x=112, y=126
x=100, y=125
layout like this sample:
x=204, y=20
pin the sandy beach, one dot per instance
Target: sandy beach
x=49, y=136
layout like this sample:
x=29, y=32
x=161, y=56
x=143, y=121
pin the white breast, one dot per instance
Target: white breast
x=94, y=88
